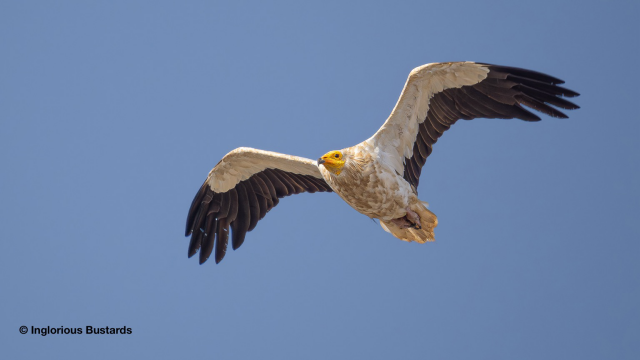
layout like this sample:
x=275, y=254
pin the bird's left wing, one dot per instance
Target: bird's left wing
x=436, y=95
x=239, y=191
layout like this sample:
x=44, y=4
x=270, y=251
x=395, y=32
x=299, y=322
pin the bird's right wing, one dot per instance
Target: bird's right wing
x=239, y=191
x=437, y=95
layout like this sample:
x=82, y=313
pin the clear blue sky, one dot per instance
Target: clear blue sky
x=113, y=113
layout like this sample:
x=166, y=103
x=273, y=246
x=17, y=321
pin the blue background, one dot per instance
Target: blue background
x=112, y=114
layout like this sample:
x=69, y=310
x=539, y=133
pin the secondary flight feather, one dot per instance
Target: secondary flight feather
x=378, y=177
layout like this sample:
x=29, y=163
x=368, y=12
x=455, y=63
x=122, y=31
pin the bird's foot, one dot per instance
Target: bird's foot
x=413, y=217
x=411, y=220
x=402, y=222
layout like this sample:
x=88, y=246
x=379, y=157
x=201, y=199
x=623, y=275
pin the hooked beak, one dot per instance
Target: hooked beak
x=331, y=163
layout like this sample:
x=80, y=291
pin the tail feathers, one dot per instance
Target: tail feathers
x=428, y=221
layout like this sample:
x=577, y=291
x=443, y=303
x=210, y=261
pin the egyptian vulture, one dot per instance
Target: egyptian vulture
x=378, y=177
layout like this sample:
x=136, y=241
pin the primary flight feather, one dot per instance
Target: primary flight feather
x=378, y=177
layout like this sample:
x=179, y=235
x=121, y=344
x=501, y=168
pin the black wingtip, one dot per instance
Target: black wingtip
x=194, y=244
x=191, y=251
x=568, y=93
x=236, y=241
x=194, y=209
x=531, y=74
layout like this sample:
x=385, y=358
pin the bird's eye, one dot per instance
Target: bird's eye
x=337, y=155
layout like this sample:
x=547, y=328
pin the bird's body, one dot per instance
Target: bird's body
x=378, y=177
x=372, y=187
x=369, y=185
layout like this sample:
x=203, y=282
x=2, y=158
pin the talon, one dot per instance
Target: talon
x=402, y=223
x=410, y=220
x=414, y=218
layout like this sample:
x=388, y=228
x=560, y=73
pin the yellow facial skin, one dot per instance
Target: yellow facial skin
x=332, y=161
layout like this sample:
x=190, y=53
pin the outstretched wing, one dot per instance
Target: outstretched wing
x=239, y=191
x=437, y=95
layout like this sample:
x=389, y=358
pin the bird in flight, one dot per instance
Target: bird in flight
x=378, y=177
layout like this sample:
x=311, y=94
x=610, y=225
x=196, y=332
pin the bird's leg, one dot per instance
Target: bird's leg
x=413, y=217
x=410, y=220
x=402, y=222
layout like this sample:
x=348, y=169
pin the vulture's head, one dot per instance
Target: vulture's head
x=332, y=161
